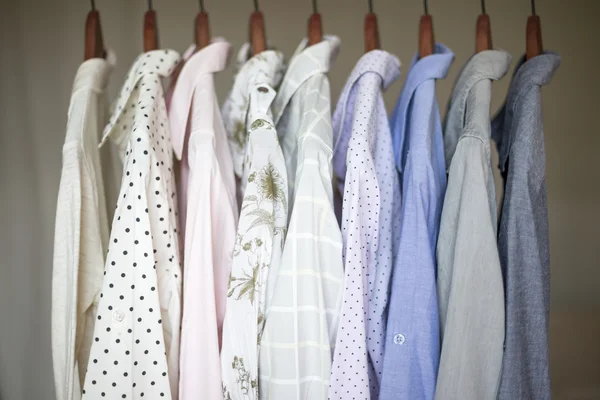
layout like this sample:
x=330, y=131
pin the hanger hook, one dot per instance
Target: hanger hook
x=256, y=6
x=483, y=7
x=425, y=7
x=314, y=3
x=201, y=5
x=532, y=7
x=93, y=5
x=370, y=6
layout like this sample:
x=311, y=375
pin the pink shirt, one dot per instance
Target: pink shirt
x=209, y=209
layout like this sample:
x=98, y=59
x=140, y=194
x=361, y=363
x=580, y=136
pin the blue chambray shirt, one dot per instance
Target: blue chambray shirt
x=523, y=234
x=412, y=343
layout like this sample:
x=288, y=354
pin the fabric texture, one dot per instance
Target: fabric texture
x=261, y=231
x=136, y=337
x=412, y=348
x=206, y=172
x=82, y=227
x=523, y=237
x=470, y=289
x=302, y=316
x=364, y=164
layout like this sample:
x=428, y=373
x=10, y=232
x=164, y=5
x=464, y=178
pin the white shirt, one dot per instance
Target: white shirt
x=81, y=230
x=212, y=213
x=261, y=230
x=136, y=338
x=302, y=316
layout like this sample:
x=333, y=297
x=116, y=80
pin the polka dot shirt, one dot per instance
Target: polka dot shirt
x=364, y=164
x=135, y=350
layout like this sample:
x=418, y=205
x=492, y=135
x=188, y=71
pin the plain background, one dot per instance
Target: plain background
x=42, y=47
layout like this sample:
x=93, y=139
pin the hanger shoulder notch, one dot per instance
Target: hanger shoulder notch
x=371, y=33
x=94, y=44
x=150, y=31
x=426, y=38
x=534, y=37
x=202, y=30
x=315, y=29
x=257, y=32
x=483, y=35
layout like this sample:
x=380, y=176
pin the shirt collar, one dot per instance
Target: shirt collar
x=528, y=75
x=206, y=61
x=265, y=68
x=306, y=63
x=486, y=65
x=434, y=66
x=156, y=62
x=94, y=73
x=380, y=62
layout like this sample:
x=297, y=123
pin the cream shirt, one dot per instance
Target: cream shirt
x=81, y=231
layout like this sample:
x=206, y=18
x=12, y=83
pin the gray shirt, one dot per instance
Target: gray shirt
x=523, y=232
x=470, y=289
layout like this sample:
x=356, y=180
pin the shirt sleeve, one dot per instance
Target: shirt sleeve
x=470, y=288
x=65, y=272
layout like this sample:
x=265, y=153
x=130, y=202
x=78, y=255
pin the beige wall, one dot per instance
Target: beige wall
x=42, y=46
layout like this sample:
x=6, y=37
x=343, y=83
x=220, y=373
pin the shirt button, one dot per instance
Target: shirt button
x=118, y=316
x=399, y=338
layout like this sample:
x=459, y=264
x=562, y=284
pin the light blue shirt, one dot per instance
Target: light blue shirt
x=412, y=347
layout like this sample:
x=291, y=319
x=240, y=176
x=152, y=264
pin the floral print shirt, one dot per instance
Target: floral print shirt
x=262, y=225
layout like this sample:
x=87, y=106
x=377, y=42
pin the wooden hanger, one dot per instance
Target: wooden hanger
x=94, y=44
x=371, y=30
x=258, y=39
x=534, y=34
x=150, y=29
x=315, y=27
x=483, y=32
x=426, y=40
x=202, y=31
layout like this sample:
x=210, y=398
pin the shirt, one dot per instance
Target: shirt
x=81, y=229
x=261, y=231
x=235, y=107
x=470, y=291
x=363, y=161
x=523, y=237
x=302, y=316
x=200, y=141
x=412, y=347
x=136, y=338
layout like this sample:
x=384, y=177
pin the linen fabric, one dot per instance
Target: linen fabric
x=82, y=227
x=302, y=316
x=261, y=231
x=206, y=173
x=523, y=238
x=135, y=353
x=470, y=289
x=412, y=347
x=363, y=161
